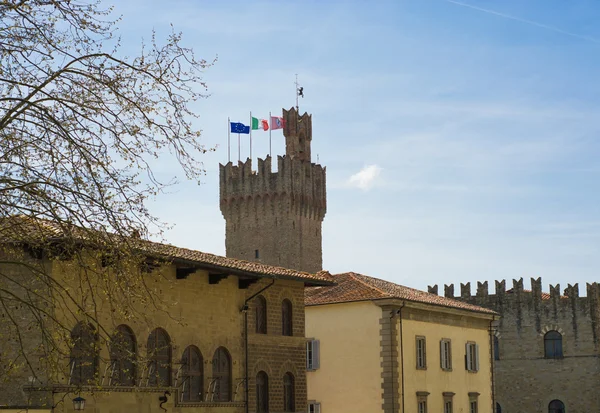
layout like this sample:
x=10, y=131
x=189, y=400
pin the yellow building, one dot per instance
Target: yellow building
x=374, y=346
x=228, y=336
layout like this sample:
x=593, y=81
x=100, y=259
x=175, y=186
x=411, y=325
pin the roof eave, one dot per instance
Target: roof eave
x=395, y=301
x=244, y=273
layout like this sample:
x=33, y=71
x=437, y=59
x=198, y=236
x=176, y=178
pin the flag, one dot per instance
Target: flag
x=237, y=127
x=277, y=122
x=260, y=124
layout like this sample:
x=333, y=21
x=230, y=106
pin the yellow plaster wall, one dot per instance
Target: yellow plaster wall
x=194, y=313
x=460, y=329
x=349, y=378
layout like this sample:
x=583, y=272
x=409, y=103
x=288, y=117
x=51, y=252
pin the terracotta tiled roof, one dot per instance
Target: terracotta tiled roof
x=545, y=296
x=253, y=268
x=357, y=287
x=23, y=229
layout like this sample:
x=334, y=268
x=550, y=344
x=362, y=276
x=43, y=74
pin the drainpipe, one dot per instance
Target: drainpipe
x=493, y=359
x=401, y=355
x=245, y=311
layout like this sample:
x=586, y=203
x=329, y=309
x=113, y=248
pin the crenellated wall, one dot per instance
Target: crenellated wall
x=525, y=380
x=301, y=183
x=276, y=217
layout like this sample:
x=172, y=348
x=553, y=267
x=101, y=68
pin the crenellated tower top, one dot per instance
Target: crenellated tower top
x=276, y=217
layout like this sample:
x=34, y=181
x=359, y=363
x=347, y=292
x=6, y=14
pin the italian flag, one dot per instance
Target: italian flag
x=260, y=124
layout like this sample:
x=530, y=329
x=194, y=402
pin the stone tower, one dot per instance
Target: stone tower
x=276, y=217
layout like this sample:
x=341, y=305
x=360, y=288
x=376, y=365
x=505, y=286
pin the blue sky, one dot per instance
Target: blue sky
x=460, y=139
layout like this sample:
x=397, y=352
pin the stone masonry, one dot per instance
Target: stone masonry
x=276, y=217
x=274, y=353
x=525, y=380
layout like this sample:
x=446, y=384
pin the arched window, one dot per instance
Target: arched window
x=556, y=406
x=262, y=392
x=289, y=403
x=192, y=377
x=553, y=345
x=261, y=314
x=286, y=317
x=122, y=357
x=159, y=358
x=221, y=366
x=84, y=354
x=496, y=348
x=498, y=408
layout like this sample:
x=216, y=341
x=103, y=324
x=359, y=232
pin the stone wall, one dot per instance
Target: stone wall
x=525, y=380
x=274, y=353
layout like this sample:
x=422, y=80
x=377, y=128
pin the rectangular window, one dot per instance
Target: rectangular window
x=422, y=401
x=472, y=356
x=312, y=354
x=446, y=354
x=314, y=407
x=421, y=353
x=256, y=254
x=473, y=402
x=448, y=401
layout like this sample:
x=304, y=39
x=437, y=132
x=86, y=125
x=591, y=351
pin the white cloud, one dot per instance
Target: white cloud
x=365, y=178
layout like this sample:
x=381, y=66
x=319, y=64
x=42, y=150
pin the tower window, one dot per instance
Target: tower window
x=256, y=254
x=553, y=345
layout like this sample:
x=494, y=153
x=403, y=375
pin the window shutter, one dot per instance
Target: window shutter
x=468, y=356
x=442, y=355
x=309, y=355
x=476, y=357
x=316, y=361
x=317, y=407
x=424, y=345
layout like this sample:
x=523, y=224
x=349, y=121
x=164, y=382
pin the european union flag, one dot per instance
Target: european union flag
x=237, y=127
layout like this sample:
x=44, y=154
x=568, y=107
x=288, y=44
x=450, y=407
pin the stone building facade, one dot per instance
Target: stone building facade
x=547, y=345
x=211, y=318
x=276, y=217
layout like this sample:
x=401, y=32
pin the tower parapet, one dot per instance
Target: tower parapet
x=276, y=217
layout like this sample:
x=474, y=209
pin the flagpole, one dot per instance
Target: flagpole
x=270, y=127
x=239, y=151
x=251, y=137
x=228, y=140
x=296, y=85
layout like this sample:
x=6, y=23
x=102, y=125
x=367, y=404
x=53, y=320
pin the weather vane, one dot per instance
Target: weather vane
x=299, y=93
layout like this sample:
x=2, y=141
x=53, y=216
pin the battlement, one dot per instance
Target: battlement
x=569, y=298
x=301, y=182
x=572, y=291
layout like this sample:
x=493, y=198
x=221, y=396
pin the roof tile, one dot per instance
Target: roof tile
x=351, y=286
x=21, y=229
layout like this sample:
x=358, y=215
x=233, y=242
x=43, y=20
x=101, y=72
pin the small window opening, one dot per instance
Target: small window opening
x=256, y=254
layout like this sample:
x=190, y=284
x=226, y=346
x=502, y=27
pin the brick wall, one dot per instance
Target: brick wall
x=274, y=353
x=279, y=214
